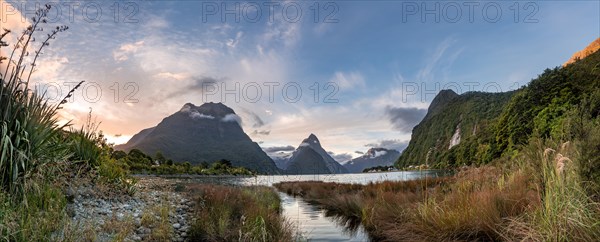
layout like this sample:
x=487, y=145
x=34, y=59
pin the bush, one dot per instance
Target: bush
x=30, y=137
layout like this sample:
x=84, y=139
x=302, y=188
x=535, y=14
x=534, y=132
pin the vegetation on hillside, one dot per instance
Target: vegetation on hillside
x=474, y=113
x=139, y=163
x=495, y=125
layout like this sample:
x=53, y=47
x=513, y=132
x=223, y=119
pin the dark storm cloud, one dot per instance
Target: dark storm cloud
x=261, y=132
x=197, y=86
x=404, y=119
x=275, y=149
x=201, y=82
x=389, y=144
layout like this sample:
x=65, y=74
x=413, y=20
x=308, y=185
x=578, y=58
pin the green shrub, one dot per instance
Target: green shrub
x=30, y=136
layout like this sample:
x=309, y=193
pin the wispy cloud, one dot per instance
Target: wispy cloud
x=348, y=80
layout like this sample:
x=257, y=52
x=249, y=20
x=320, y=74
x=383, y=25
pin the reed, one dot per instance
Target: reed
x=225, y=213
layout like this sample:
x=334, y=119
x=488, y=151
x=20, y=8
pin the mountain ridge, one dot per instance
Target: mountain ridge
x=372, y=158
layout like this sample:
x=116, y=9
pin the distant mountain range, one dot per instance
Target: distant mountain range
x=205, y=133
x=374, y=157
x=311, y=158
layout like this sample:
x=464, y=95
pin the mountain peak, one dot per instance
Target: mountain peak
x=205, y=133
x=311, y=158
x=590, y=49
x=312, y=139
x=440, y=100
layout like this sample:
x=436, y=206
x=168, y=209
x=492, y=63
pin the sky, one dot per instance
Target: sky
x=357, y=74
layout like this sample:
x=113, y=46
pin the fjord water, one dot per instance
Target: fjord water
x=311, y=221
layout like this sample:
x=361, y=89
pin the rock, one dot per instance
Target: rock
x=176, y=226
x=137, y=238
x=71, y=211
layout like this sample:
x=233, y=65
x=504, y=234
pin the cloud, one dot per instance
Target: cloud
x=340, y=157
x=427, y=72
x=11, y=19
x=404, y=119
x=348, y=80
x=173, y=76
x=359, y=152
x=123, y=53
x=261, y=132
x=232, y=118
x=197, y=115
x=392, y=144
x=200, y=82
x=275, y=149
x=282, y=31
x=232, y=43
x=196, y=85
x=257, y=120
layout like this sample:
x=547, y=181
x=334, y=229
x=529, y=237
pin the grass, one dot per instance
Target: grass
x=35, y=150
x=226, y=213
x=540, y=199
x=121, y=228
x=566, y=211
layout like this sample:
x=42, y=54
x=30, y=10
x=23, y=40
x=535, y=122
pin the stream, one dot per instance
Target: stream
x=311, y=221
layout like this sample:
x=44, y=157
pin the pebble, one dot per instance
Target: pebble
x=87, y=209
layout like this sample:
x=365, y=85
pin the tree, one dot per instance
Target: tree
x=187, y=166
x=118, y=154
x=160, y=158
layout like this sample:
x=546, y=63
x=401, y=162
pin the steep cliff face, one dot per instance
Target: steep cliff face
x=205, y=133
x=440, y=138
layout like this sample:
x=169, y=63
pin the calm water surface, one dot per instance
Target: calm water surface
x=310, y=220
